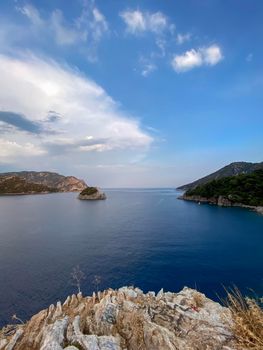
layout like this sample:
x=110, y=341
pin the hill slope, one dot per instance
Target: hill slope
x=17, y=185
x=53, y=180
x=232, y=169
x=243, y=189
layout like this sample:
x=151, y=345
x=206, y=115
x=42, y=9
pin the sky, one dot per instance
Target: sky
x=147, y=93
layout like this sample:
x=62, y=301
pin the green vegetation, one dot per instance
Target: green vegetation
x=232, y=169
x=245, y=188
x=89, y=191
x=17, y=185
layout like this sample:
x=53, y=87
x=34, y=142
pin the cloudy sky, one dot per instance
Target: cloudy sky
x=150, y=93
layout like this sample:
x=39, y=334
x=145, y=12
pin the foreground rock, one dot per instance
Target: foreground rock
x=221, y=201
x=126, y=319
x=92, y=193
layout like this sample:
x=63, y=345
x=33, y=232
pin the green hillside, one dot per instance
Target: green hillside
x=245, y=188
x=17, y=185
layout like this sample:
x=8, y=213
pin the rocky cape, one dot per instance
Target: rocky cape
x=39, y=182
x=221, y=201
x=92, y=193
x=126, y=319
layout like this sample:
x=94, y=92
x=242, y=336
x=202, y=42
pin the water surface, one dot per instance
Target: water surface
x=146, y=238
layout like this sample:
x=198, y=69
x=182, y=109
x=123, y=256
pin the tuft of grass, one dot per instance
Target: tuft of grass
x=247, y=315
x=198, y=300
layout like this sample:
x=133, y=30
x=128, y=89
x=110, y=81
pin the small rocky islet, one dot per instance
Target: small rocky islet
x=91, y=193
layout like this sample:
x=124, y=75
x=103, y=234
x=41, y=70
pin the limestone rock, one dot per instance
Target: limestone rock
x=126, y=319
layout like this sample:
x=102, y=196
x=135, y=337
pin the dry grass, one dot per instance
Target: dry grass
x=247, y=315
x=198, y=300
x=131, y=328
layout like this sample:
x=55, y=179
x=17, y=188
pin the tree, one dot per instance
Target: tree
x=77, y=275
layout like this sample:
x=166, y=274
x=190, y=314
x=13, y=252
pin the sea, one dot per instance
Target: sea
x=147, y=238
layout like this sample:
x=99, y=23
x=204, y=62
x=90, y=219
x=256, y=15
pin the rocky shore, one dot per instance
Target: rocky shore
x=221, y=201
x=127, y=319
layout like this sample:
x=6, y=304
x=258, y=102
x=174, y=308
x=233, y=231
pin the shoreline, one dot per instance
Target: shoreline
x=221, y=201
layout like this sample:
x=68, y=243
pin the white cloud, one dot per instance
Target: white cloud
x=89, y=120
x=138, y=22
x=195, y=58
x=212, y=55
x=11, y=149
x=182, y=38
x=187, y=61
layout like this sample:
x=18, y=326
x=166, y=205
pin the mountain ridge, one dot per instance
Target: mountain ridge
x=232, y=169
x=48, y=179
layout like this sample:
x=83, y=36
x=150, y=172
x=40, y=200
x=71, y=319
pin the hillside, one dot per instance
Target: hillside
x=52, y=180
x=17, y=185
x=244, y=189
x=232, y=169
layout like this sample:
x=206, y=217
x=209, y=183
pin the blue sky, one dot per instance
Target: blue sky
x=125, y=93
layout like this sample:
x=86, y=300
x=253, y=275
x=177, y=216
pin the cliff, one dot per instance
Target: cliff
x=232, y=169
x=51, y=180
x=126, y=319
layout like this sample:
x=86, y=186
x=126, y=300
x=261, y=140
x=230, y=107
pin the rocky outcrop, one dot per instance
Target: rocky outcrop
x=126, y=319
x=221, y=201
x=92, y=193
x=52, y=180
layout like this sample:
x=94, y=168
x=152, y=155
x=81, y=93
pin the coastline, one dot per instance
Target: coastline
x=221, y=201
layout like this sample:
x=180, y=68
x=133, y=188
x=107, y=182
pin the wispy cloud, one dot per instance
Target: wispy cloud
x=138, y=21
x=209, y=56
x=82, y=116
x=182, y=38
x=87, y=29
x=249, y=57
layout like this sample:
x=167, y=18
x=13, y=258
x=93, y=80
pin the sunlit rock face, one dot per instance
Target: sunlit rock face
x=126, y=319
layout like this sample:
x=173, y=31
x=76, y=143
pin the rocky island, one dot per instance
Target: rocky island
x=91, y=193
x=32, y=182
x=126, y=319
x=243, y=190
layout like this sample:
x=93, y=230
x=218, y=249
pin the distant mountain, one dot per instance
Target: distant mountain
x=232, y=169
x=50, y=180
x=17, y=185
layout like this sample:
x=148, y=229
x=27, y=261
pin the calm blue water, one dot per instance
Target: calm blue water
x=147, y=238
